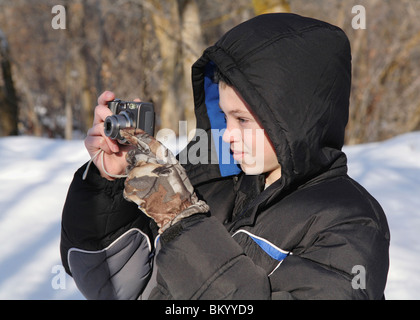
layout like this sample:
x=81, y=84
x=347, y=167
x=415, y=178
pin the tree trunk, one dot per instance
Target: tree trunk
x=167, y=28
x=68, y=102
x=178, y=30
x=192, y=47
x=77, y=66
x=8, y=99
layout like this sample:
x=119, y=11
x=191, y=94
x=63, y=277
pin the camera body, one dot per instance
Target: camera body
x=129, y=114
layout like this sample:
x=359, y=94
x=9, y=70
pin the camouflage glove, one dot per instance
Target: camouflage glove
x=157, y=183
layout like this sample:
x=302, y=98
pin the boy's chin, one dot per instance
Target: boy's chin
x=252, y=170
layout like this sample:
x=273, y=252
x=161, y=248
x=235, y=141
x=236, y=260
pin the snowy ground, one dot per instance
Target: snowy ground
x=35, y=174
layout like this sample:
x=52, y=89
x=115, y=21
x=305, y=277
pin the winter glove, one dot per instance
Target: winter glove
x=157, y=183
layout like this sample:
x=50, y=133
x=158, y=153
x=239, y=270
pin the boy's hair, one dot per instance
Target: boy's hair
x=220, y=77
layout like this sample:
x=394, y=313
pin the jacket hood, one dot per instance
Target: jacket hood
x=295, y=74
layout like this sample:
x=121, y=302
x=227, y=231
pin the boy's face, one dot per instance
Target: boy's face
x=249, y=144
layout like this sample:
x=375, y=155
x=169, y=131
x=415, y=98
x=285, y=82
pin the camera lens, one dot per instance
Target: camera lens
x=113, y=124
x=111, y=127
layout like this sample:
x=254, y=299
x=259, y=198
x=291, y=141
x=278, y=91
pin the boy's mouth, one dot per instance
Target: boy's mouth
x=238, y=155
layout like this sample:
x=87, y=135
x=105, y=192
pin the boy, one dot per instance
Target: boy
x=287, y=223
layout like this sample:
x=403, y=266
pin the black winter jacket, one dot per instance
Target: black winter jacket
x=313, y=234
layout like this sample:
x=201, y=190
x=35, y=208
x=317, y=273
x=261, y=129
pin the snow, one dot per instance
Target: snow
x=35, y=174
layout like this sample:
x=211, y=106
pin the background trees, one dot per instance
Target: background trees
x=8, y=99
x=145, y=48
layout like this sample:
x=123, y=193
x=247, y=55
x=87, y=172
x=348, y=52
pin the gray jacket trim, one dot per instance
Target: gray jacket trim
x=147, y=291
x=119, y=271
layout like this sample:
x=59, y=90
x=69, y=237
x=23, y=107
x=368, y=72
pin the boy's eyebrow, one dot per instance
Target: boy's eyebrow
x=239, y=112
x=236, y=111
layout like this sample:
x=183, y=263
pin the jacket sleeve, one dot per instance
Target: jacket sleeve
x=105, y=240
x=200, y=260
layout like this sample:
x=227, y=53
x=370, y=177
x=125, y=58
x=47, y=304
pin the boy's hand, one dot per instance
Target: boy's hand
x=114, y=153
x=157, y=183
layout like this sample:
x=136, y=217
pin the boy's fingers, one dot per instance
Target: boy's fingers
x=101, y=112
x=98, y=131
x=105, y=97
x=95, y=143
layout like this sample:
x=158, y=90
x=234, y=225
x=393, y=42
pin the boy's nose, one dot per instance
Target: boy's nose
x=231, y=135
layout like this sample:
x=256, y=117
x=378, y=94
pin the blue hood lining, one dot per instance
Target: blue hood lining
x=227, y=165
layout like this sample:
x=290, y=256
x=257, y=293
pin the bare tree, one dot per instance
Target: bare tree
x=178, y=28
x=145, y=48
x=167, y=26
x=78, y=57
x=192, y=47
x=8, y=98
